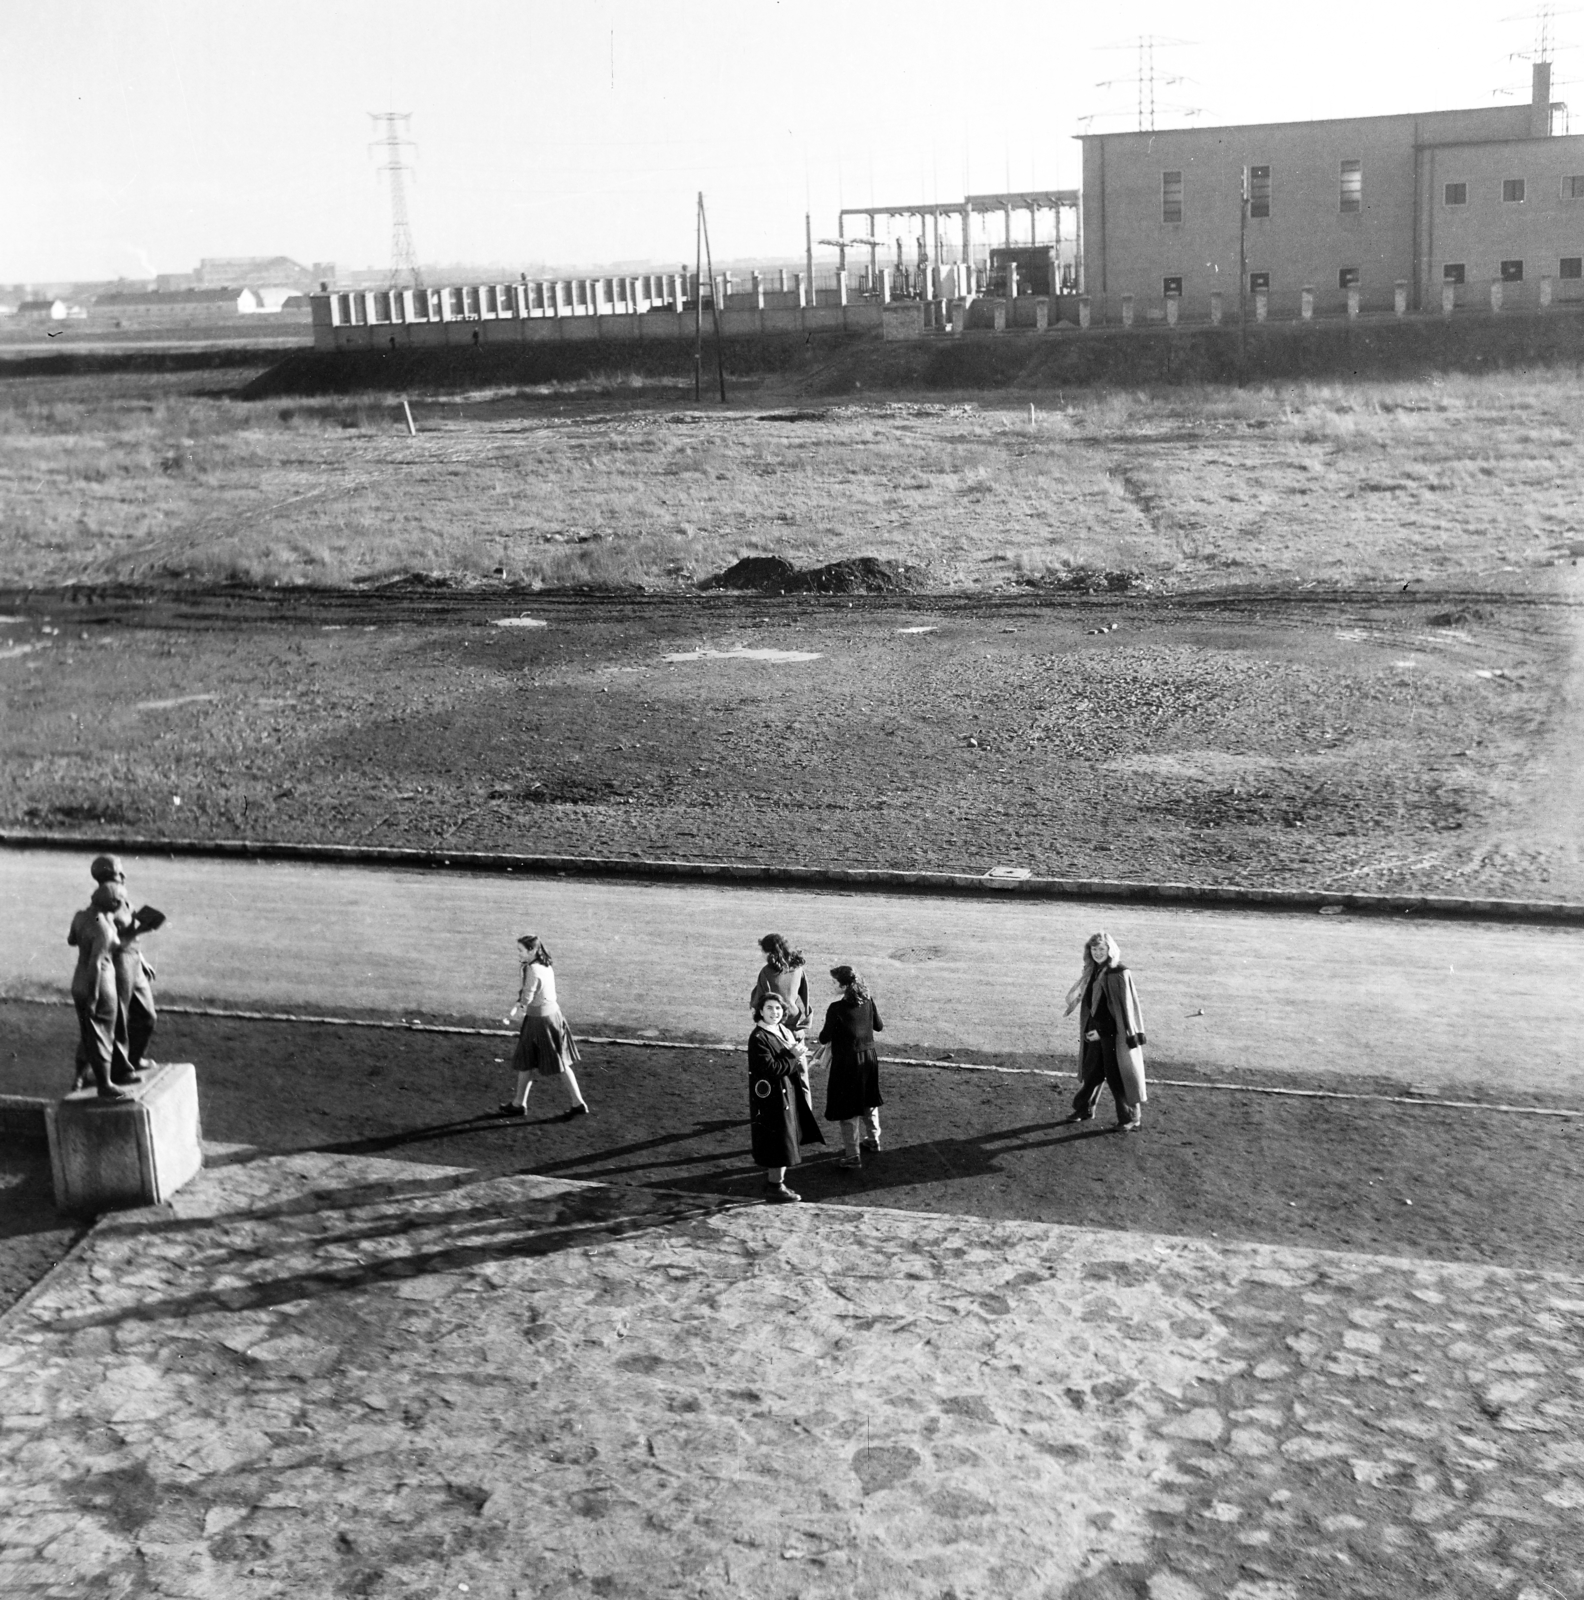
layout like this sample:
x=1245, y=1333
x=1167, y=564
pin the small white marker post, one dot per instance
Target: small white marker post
x=412, y=428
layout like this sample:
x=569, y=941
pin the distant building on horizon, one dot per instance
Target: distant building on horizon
x=154, y=307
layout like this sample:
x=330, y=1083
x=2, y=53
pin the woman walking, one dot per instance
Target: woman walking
x=783, y=975
x=779, y=1115
x=1110, y=1035
x=852, y=1092
x=545, y=1046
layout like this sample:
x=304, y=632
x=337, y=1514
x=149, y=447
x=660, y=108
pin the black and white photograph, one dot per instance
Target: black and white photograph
x=791, y=801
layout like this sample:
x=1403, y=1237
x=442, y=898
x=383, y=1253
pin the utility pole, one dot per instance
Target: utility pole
x=715, y=307
x=404, y=261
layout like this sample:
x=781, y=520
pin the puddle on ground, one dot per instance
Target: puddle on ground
x=931, y=628
x=166, y=705
x=520, y=622
x=743, y=653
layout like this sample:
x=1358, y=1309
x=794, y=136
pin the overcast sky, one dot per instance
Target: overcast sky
x=141, y=135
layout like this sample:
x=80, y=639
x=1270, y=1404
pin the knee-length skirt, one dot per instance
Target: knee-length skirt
x=545, y=1045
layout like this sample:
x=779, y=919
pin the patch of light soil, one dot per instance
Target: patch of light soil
x=167, y=705
x=520, y=622
x=743, y=653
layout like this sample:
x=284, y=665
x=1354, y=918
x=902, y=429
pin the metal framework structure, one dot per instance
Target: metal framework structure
x=404, y=260
x=1032, y=201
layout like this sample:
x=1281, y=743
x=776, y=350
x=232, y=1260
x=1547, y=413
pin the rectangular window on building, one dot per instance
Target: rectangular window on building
x=1571, y=267
x=1512, y=271
x=1513, y=190
x=1452, y=272
x=1259, y=280
x=1171, y=286
x=1352, y=185
x=1259, y=191
x=1348, y=278
x=1457, y=194
x=1171, y=197
x=1573, y=187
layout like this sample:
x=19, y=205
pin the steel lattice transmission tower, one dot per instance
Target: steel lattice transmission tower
x=404, y=260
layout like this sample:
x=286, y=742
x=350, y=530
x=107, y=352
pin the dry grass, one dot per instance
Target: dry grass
x=139, y=477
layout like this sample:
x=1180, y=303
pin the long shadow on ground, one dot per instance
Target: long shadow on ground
x=1393, y=1179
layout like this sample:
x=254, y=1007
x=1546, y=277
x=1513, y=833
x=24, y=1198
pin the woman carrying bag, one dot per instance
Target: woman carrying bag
x=1110, y=1035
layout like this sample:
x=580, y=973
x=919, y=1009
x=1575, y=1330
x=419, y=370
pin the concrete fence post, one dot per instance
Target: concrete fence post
x=1215, y=307
x=885, y=286
x=1012, y=280
x=1261, y=304
x=802, y=290
x=841, y=287
x=1001, y=315
x=1496, y=295
x=1041, y=314
x=1084, y=311
x=1545, y=293
x=959, y=317
x=1173, y=301
x=1400, y=297
x=1306, y=303
x=1448, y=298
x=1353, y=302
x=783, y=280
x=1127, y=311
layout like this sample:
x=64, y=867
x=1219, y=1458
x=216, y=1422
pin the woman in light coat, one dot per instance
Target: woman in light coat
x=1110, y=1035
x=545, y=1046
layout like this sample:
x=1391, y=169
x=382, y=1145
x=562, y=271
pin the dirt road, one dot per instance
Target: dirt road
x=1479, y=1007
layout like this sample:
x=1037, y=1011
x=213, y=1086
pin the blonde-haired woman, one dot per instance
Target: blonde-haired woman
x=545, y=1046
x=1110, y=1035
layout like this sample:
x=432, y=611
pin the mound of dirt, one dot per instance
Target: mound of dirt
x=853, y=575
x=766, y=574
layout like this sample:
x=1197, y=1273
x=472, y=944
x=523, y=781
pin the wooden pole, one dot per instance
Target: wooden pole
x=1243, y=211
x=720, y=354
x=698, y=297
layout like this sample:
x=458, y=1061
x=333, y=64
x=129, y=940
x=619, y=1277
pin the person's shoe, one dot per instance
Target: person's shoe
x=113, y=1093
x=1079, y=1116
x=123, y=1079
x=510, y=1108
x=779, y=1195
x=871, y=1145
x=579, y=1110
x=850, y=1163
x=1130, y=1124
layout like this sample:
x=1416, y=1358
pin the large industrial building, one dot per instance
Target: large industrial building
x=1461, y=198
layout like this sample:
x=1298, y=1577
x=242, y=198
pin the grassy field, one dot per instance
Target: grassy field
x=149, y=478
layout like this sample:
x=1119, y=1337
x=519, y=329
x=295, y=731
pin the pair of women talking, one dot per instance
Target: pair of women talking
x=780, y=1109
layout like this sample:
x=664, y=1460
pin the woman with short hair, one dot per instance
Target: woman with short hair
x=545, y=1046
x=852, y=1091
x=1110, y=1035
x=780, y=1118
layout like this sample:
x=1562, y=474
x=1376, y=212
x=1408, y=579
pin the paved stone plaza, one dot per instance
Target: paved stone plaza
x=326, y=1376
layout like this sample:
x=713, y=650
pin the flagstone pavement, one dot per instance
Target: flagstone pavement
x=323, y=1375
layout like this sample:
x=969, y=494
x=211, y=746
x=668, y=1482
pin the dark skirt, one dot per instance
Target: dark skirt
x=853, y=1086
x=545, y=1046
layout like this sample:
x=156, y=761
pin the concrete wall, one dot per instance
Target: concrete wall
x=1306, y=240
x=369, y=328
x=1539, y=231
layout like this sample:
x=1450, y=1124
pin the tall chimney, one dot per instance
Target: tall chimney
x=1540, y=102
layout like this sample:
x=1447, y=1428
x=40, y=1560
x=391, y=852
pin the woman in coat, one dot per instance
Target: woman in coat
x=779, y=1116
x=100, y=1048
x=545, y=1046
x=783, y=975
x=852, y=1092
x=1110, y=1035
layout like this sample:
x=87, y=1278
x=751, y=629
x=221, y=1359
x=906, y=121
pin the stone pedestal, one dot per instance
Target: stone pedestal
x=1000, y=316
x=107, y=1154
x=1041, y=314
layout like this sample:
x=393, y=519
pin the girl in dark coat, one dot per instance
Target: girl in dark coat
x=779, y=1114
x=852, y=1092
x=1110, y=1035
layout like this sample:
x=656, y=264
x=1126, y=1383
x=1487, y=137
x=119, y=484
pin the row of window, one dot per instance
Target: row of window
x=1350, y=277
x=1514, y=191
x=1350, y=191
